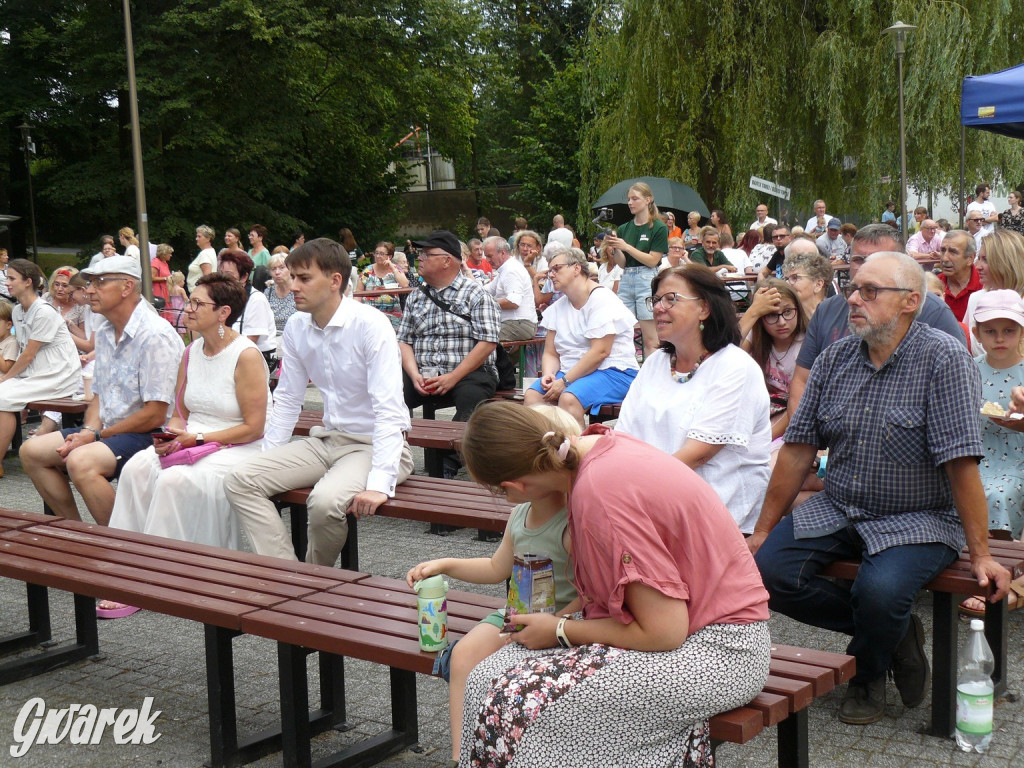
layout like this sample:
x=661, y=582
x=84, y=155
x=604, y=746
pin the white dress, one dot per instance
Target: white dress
x=55, y=371
x=188, y=502
x=725, y=403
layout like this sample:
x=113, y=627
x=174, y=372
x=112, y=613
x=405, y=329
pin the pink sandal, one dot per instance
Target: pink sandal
x=115, y=611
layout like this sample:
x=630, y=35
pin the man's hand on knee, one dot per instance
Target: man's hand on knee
x=365, y=503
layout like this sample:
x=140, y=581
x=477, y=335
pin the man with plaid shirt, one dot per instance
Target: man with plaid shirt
x=897, y=405
x=450, y=325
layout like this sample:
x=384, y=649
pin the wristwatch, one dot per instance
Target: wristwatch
x=560, y=633
x=199, y=438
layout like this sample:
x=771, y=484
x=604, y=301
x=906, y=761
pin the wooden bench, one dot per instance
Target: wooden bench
x=947, y=588
x=214, y=587
x=309, y=609
x=376, y=619
x=426, y=499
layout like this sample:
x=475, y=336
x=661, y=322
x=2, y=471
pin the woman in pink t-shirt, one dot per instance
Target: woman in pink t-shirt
x=674, y=623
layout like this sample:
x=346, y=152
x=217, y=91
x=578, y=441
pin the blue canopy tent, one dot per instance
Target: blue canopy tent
x=993, y=103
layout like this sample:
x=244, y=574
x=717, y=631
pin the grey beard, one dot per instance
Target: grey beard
x=877, y=334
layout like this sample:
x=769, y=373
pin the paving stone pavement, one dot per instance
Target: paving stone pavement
x=152, y=655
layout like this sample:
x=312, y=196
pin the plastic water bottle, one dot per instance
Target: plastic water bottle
x=974, y=692
x=432, y=603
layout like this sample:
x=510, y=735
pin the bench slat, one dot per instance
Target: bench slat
x=821, y=678
x=207, y=610
x=187, y=554
x=799, y=693
x=844, y=667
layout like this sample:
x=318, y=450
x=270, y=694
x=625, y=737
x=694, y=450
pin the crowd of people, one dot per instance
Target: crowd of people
x=773, y=419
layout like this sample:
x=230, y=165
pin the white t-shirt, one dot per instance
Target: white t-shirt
x=987, y=208
x=812, y=224
x=758, y=224
x=258, y=320
x=195, y=269
x=574, y=329
x=609, y=277
x=512, y=282
x=725, y=403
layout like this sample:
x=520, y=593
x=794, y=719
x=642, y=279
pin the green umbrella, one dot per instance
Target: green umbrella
x=668, y=196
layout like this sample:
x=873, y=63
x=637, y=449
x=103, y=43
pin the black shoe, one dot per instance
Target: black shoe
x=864, y=702
x=442, y=530
x=909, y=667
x=490, y=536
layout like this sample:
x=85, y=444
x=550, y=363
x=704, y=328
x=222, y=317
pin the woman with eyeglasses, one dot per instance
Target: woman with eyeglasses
x=383, y=274
x=810, y=276
x=47, y=365
x=774, y=343
x=700, y=397
x=221, y=396
x=589, y=359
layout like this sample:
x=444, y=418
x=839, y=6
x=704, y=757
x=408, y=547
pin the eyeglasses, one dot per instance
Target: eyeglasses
x=382, y=254
x=870, y=292
x=554, y=269
x=435, y=253
x=195, y=304
x=796, y=277
x=668, y=300
x=779, y=235
x=676, y=248
x=96, y=282
x=773, y=317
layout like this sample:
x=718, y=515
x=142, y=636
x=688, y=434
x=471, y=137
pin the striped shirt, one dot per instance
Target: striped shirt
x=889, y=430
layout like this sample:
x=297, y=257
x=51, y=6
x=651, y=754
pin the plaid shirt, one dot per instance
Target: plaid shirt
x=889, y=430
x=439, y=338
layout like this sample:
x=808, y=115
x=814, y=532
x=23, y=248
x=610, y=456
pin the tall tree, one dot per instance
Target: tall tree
x=281, y=113
x=712, y=92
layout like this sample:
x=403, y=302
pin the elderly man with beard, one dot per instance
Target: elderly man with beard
x=896, y=403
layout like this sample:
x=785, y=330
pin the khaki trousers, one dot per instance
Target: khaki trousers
x=335, y=464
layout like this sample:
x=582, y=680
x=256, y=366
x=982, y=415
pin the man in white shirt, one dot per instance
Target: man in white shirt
x=355, y=461
x=817, y=224
x=762, y=217
x=975, y=222
x=982, y=205
x=512, y=289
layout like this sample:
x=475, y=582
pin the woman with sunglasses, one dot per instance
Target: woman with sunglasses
x=47, y=365
x=589, y=358
x=700, y=397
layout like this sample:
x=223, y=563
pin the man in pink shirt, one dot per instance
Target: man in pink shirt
x=924, y=245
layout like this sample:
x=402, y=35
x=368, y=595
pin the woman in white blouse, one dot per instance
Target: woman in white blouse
x=589, y=358
x=700, y=397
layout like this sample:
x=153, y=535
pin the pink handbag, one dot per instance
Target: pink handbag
x=189, y=455
x=196, y=452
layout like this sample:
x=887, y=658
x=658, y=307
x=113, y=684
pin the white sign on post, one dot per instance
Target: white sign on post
x=770, y=188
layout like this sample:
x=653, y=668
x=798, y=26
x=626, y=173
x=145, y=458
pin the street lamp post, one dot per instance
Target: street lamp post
x=899, y=31
x=140, y=181
x=26, y=140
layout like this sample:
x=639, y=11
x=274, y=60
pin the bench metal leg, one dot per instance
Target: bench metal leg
x=997, y=632
x=226, y=749
x=404, y=725
x=299, y=516
x=944, y=652
x=38, y=600
x=86, y=643
x=793, y=741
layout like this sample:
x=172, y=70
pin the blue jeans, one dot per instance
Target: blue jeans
x=634, y=288
x=875, y=611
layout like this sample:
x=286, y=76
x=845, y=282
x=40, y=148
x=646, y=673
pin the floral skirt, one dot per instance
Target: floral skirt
x=596, y=705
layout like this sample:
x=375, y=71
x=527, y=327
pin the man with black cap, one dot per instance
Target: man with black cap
x=137, y=358
x=448, y=334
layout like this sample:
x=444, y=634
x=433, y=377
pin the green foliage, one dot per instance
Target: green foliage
x=282, y=113
x=710, y=93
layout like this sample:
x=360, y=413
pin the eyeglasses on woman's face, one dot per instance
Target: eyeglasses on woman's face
x=668, y=300
x=195, y=304
x=870, y=292
x=772, y=318
x=554, y=269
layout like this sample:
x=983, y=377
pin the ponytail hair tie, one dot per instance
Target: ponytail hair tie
x=563, y=449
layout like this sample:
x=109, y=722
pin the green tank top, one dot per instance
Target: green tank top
x=546, y=540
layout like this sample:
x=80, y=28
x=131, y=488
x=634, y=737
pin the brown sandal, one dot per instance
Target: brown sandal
x=1014, y=601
